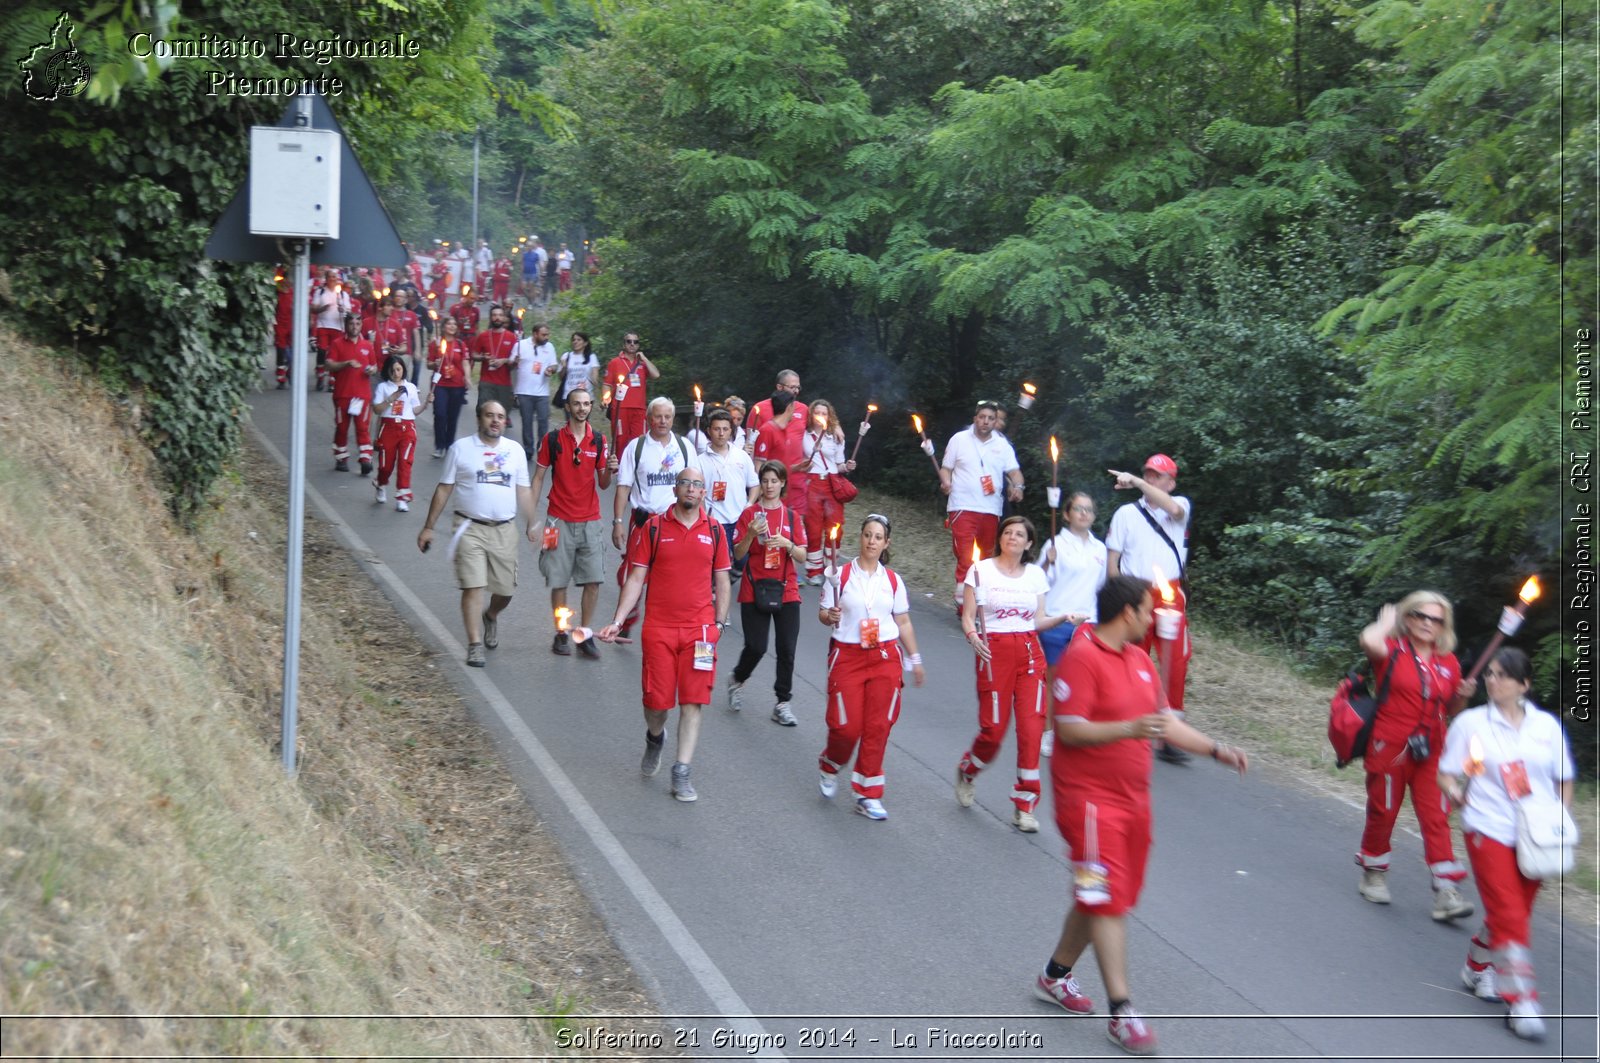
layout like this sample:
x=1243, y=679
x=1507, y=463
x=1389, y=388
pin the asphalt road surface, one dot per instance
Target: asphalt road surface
x=771, y=923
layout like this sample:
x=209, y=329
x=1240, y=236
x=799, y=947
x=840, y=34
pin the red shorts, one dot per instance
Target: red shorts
x=1123, y=842
x=669, y=674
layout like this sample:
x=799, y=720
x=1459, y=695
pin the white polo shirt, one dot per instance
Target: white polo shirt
x=736, y=475
x=969, y=461
x=1077, y=575
x=486, y=477
x=658, y=468
x=865, y=596
x=1540, y=743
x=533, y=360
x=396, y=402
x=1142, y=549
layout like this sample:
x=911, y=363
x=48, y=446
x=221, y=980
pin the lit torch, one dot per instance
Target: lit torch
x=833, y=558
x=466, y=290
x=1510, y=620
x=863, y=429
x=927, y=444
x=977, y=598
x=1474, y=766
x=563, y=617
x=1025, y=400
x=699, y=406
x=1167, y=620
x=1053, y=492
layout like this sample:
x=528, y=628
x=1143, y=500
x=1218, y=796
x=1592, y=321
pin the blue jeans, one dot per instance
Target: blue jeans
x=1054, y=642
x=531, y=406
x=447, y=405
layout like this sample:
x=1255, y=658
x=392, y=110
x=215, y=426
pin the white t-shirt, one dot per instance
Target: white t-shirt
x=1540, y=744
x=1009, y=603
x=396, y=402
x=658, y=465
x=534, y=360
x=564, y=262
x=734, y=474
x=1141, y=548
x=1077, y=575
x=580, y=370
x=486, y=476
x=463, y=266
x=483, y=261
x=338, y=305
x=865, y=596
x=831, y=457
x=969, y=461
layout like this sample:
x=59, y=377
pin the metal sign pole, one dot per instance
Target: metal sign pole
x=299, y=374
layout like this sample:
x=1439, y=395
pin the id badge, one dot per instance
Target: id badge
x=552, y=536
x=705, y=656
x=622, y=392
x=633, y=380
x=869, y=633
x=988, y=484
x=1515, y=776
x=772, y=558
x=719, y=490
x=398, y=407
x=1089, y=882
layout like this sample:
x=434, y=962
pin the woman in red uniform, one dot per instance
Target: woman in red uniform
x=395, y=406
x=450, y=361
x=870, y=614
x=823, y=447
x=1412, y=644
x=1008, y=591
x=770, y=534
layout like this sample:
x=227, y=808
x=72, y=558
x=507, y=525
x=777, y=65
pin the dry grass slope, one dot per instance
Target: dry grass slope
x=153, y=859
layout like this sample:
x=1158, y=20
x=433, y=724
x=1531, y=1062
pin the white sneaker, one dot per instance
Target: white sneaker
x=966, y=790
x=735, y=696
x=1047, y=744
x=870, y=807
x=1024, y=821
x=782, y=716
x=383, y=495
x=402, y=506
x=1449, y=904
x=1482, y=983
x=828, y=784
x=1526, y=1021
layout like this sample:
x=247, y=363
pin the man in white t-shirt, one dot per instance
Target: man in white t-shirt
x=731, y=481
x=486, y=477
x=1150, y=537
x=483, y=263
x=534, y=365
x=978, y=466
x=646, y=471
x=564, y=260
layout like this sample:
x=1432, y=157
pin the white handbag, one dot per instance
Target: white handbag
x=1546, y=838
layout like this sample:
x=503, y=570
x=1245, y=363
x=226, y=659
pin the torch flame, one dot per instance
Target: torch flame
x=466, y=289
x=1055, y=449
x=1474, y=765
x=520, y=311
x=833, y=534
x=871, y=408
x=1530, y=590
x=433, y=295
x=916, y=422
x=1167, y=596
x=977, y=554
x=433, y=313
x=563, y=614
x=697, y=393
x=1030, y=389
x=386, y=292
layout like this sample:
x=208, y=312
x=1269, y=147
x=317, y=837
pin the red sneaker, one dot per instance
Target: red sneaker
x=1063, y=991
x=1129, y=1032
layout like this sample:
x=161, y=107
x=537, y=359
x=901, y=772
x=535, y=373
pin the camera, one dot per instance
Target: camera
x=1417, y=746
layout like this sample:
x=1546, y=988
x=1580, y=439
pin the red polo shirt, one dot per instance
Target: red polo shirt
x=574, y=494
x=680, y=575
x=352, y=381
x=496, y=343
x=775, y=443
x=1099, y=684
x=633, y=374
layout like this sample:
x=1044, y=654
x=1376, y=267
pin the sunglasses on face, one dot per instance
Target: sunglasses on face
x=1417, y=614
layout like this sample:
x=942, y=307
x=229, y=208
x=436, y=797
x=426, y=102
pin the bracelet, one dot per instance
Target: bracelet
x=916, y=660
x=616, y=520
x=1216, y=747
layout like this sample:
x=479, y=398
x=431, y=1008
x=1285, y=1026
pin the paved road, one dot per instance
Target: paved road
x=763, y=911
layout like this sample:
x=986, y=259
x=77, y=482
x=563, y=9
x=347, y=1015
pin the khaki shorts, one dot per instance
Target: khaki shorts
x=576, y=558
x=486, y=556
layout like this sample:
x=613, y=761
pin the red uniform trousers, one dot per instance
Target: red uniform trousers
x=627, y=425
x=324, y=339
x=502, y=289
x=1389, y=772
x=1013, y=676
x=1507, y=913
x=342, y=419
x=397, y=447
x=1175, y=670
x=822, y=512
x=968, y=526
x=863, y=704
x=797, y=496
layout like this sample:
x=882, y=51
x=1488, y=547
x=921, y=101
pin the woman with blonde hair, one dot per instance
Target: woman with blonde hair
x=824, y=456
x=1411, y=647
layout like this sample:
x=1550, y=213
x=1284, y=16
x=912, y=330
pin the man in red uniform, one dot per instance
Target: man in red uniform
x=625, y=376
x=329, y=305
x=353, y=362
x=778, y=440
x=396, y=330
x=501, y=289
x=1109, y=706
x=761, y=412
x=468, y=315
x=492, y=350
x=575, y=458
x=683, y=554
x=283, y=325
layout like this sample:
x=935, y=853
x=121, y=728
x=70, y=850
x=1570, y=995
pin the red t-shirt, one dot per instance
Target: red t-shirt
x=468, y=316
x=395, y=331
x=1405, y=708
x=777, y=443
x=755, y=562
x=502, y=273
x=496, y=343
x=631, y=373
x=449, y=359
x=574, y=495
x=352, y=381
x=680, y=576
x=283, y=320
x=1099, y=684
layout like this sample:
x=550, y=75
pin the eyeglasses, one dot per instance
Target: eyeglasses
x=1418, y=614
x=698, y=485
x=630, y=343
x=1082, y=509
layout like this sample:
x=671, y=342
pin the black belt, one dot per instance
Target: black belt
x=485, y=523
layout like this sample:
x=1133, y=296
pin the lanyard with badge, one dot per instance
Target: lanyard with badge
x=985, y=478
x=869, y=623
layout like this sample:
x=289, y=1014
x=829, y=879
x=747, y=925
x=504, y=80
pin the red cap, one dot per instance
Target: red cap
x=1161, y=463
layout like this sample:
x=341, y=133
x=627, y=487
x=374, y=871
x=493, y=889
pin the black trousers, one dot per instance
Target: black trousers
x=756, y=625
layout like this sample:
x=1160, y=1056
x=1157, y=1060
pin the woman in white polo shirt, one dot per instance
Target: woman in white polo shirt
x=1075, y=565
x=1494, y=756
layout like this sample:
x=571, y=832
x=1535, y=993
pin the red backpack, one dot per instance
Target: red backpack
x=1354, y=710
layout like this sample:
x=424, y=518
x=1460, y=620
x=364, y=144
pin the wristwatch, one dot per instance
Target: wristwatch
x=722, y=625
